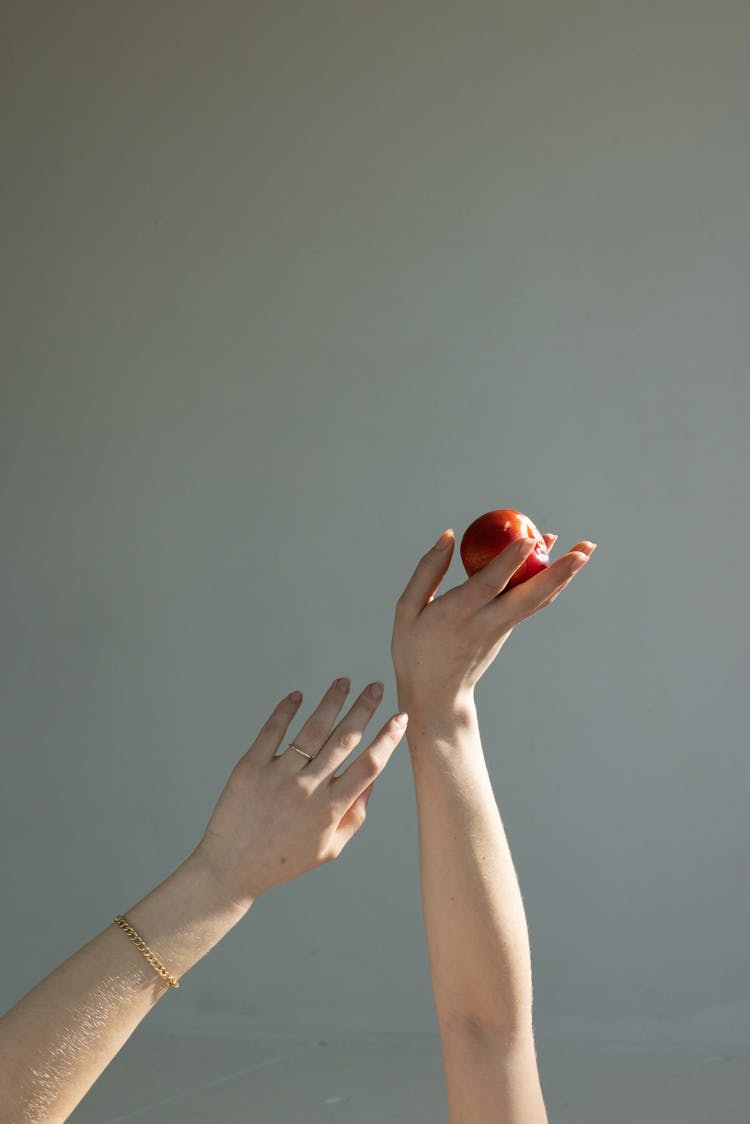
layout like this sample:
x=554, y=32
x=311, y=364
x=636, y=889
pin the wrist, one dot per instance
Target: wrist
x=212, y=886
x=423, y=699
x=437, y=716
x=183, y=917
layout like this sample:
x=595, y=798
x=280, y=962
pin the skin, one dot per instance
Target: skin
x=278, y=817
x=477, y=937
x=281, y=815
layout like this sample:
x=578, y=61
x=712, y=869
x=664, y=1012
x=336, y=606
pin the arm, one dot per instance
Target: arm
x=476, y=929
x=278, y=817
x=56, y=1041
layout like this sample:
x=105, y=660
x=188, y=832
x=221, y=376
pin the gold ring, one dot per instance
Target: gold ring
x=309, y=756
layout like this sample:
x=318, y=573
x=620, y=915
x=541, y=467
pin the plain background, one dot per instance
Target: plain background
x=288, y=289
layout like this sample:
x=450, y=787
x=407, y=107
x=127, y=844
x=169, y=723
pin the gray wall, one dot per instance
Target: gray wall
x=289, y=288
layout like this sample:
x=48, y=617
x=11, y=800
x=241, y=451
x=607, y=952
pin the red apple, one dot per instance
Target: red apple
x=489, y=535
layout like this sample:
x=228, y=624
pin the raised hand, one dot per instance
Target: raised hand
x=282, y=814
x=442, y=645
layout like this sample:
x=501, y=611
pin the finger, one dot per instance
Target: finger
x=550, y=540
x=351, y=821
x=317, y=727
x=274, y=728
x=541, y=590
x=426, y=578
x=365, y=770
x=348, y=734
x=484, y=586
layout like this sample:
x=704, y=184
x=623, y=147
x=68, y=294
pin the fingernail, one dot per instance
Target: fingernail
x=343, y=684
x=296, y=696
x=443, y=541
x=526, y=544
x=376, y=690
x=400, y=720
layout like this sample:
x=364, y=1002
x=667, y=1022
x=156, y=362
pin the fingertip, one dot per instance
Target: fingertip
x=579, y=560
x=445, y=540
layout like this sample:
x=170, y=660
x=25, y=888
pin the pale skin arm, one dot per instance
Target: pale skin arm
x=477, y=936
x=279, y=816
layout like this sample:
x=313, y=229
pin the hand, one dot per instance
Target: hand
x=280, y=815
x=442, y=646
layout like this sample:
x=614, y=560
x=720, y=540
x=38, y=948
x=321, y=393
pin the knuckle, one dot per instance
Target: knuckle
x=327, y=853
x=370, y=765
x=304, y=785
x=349, y=740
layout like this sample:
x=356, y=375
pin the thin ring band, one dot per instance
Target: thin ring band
x=309, y=756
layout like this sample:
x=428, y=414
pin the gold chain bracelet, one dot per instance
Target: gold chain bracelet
x=141, y=944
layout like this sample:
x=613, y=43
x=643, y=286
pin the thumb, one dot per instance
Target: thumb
x=428, y=575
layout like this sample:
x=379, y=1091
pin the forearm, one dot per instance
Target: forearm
x=474, y=918
x=57, y=1040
